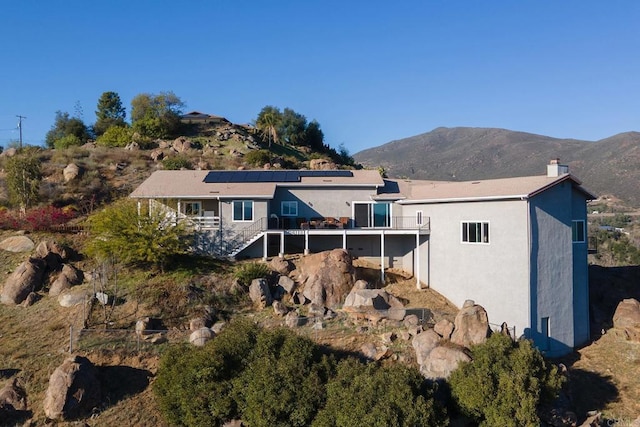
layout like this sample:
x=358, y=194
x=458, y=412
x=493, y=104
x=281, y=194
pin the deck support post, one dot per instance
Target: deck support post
x=382, y=256
x=281, y=254
x=417, y=267
x=306, y=242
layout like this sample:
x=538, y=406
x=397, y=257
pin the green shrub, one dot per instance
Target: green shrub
x=116, y=136
x=245, y=273
x=177, y=163
x=505, y=383
x=258, y=157
x=66, y=142
x=372, y=396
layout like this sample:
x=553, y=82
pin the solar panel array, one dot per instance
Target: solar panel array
x=271, y=176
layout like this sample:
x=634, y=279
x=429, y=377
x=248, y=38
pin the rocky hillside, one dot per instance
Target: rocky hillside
x=608, y=166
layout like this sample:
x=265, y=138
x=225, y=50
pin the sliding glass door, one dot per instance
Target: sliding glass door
x=372, y=214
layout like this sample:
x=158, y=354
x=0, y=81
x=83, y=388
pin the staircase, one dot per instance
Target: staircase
x=245, y=237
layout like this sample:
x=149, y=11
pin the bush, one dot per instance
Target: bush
x=245, y=273
x=369, y=395
x=149, y=238
x=505, y=383
x=258, y=157
x=36, y=219
x=116, y=136
x=177, y=163
x=66, y=142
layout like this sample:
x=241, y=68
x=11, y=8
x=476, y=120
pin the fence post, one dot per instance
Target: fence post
x=70, y=338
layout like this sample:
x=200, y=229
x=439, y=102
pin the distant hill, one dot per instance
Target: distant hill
x=609, y=166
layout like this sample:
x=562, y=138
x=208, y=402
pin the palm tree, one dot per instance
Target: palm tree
x=268, y=122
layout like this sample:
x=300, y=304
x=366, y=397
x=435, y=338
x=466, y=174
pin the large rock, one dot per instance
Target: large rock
x=627, y=318
x=378, y=303
x=13, y=396
x=74, y=390
x=200, y=337
x=71, y=172
x=287, y=284
x=326, y=277
x=25, y=279
x=52, y=253
x=259, y=293
x=471, y=325
x=280, y=265
x=17, y=244
x=442, y=361
x=321, y=164
x=423, y=344
x=444, y=328
x=74, y=296
x=68, y=277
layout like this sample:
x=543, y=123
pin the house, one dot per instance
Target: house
x=517, y=246
x=198, y=117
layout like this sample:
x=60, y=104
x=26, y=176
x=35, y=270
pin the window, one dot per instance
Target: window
x=577, y=231
x=475, y=232
x=192, y=208
x=289, y=209
x=419, y=218
x=243, y=210
x=372, y=214
x=545, y=331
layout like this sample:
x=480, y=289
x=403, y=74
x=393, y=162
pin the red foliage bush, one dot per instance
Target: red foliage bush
x=35, y=219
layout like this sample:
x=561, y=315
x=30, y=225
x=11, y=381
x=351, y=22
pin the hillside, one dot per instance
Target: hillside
x=608, y=166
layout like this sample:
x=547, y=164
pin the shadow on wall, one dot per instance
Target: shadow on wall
x=608, y=286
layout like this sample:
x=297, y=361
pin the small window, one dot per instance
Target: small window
x=577, y=231
x=545, y=331
x=243, y=210
x=475, y=232
x=192, y=208
x=419, y=218
x=289, y=209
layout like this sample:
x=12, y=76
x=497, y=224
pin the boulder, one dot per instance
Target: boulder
x=52, y=253
x=373, y=303
x=74, y=296
x=181, y=144
x=627, y=318
x=104, y=298
x=410, y=320
x=17, y=244
x=148, y=325
x=369, y=350
x=26, y=278
x=156, y=155
x=201, y=336
x=31, y=299
x=13, y=396
x=287, y=284
x=321, y=164
x=280, y=266
x=71, y=172
x=259, y=293
x=442, y=361
x=74, y=390
x=218, y=327
x=293, y=319
x=68, y=277
x=326, y=277
x=471, y=325
x=444, y=328
x=424, y=343
x=279, y=308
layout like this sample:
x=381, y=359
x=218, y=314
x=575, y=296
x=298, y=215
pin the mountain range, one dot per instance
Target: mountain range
x=610, y=166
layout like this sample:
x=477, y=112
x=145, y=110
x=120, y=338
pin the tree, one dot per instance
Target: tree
x=148, y=238
x=314, y=136
x=109, y=113
x=292, y=127
x=156, y=116
x=371, y=395
x=268, y=122
x=505, y=383
x=66, y=126
x=116, y=136
x=23, y=177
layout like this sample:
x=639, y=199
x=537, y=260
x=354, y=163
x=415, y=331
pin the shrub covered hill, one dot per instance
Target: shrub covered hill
x=608, y=166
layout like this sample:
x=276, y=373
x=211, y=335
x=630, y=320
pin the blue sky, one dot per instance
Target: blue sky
x=368, y=71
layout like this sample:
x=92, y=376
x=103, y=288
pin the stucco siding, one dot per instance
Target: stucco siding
x=494, y=275
x=580, y=273
x=552, y=271
x=320, y=202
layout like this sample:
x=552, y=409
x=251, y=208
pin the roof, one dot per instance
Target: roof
x=216, y=184
x=418, y=191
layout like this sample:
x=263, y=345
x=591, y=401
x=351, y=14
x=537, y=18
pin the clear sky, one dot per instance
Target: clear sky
x=368, y=71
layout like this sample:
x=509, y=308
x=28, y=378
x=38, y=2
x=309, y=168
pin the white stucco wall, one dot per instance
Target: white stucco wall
x=494, y=275
x=324, y=202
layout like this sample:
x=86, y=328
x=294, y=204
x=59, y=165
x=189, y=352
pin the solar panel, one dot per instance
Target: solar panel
x=270, y=176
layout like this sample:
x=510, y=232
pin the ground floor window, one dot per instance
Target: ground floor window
x=577, y=231
x=243, y=210
x=289, y=209
x=475, y=232
x=545, y=331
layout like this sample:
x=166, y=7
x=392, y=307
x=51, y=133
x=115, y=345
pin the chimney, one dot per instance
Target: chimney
x=555, y=169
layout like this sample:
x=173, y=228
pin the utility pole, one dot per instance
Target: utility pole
x=20, y=127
